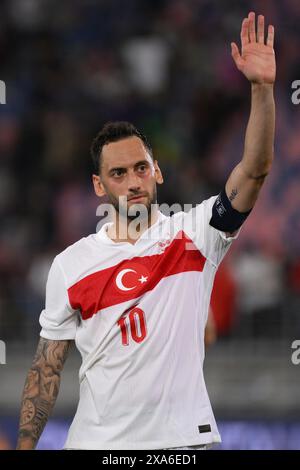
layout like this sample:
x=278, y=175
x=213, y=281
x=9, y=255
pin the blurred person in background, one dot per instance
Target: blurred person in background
x=210, y=333
x=5, y=443
x=137, y=341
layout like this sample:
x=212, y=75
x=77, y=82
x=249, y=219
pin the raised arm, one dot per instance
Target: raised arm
x=257, y=63
x=41, y=390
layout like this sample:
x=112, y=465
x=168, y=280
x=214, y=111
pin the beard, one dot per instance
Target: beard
x=135, y=210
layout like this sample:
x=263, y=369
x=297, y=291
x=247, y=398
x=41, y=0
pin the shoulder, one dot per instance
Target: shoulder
x=81, y=249
x=200, y=212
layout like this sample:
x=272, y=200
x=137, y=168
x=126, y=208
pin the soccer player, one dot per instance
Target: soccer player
x=136, y=301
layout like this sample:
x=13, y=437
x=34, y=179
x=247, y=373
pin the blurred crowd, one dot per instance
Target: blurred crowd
x=164, y=65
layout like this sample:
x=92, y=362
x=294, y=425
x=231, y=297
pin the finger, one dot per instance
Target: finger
x=252, y=34
x=261, y=29
x=270, y=38
x=236, y=55
x=245, y=32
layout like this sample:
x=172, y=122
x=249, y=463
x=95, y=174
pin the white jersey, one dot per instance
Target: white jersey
x=137, y=314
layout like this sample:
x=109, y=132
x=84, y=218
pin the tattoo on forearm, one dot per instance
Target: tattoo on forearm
x=41, y=388
x=233, y=194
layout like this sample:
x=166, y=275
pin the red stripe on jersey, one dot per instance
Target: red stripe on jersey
x=131, y=278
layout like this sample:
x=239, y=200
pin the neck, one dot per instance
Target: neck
x=128, y=230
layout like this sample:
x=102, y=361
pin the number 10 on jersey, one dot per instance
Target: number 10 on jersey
x=134, y=326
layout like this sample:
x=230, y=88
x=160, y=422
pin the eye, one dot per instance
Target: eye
x=142, y=168
x=118, y=172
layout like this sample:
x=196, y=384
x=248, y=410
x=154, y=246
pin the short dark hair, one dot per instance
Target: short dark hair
x=112, y=132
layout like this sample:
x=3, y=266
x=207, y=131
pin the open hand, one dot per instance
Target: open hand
x=257, y=58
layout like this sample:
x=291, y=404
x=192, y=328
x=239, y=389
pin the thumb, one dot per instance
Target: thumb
x=236, y=55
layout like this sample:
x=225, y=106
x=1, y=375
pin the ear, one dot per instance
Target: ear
x=158, y=175
x=98, y=186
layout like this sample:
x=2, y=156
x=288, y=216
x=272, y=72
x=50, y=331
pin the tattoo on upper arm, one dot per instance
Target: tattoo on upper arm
x=233, y=194
x=41, y=387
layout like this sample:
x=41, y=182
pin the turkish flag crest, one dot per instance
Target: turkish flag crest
x=131, y=278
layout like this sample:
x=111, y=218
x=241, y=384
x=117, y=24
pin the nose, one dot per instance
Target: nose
x=133, y=181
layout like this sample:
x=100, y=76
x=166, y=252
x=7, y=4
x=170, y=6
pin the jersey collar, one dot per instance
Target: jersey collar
x=103, y=236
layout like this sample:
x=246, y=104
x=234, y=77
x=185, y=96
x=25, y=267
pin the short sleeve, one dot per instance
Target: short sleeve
x=58, y=320
x=212, y=243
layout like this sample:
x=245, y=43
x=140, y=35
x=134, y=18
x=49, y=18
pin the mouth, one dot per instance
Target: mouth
x=136, y=198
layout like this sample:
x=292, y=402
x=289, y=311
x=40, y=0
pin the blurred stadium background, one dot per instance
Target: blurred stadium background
x=166, y=66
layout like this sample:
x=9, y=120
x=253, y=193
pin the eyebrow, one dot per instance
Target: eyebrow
x=141, y=162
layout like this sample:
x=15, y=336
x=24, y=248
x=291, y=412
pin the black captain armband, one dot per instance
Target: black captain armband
x=224, y=216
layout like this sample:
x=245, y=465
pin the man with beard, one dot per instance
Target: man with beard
x=135, y=295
